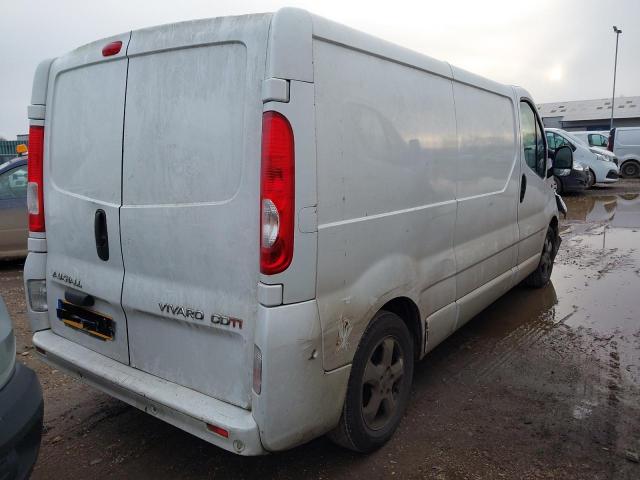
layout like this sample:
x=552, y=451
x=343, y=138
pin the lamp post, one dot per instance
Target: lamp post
x=617, y=31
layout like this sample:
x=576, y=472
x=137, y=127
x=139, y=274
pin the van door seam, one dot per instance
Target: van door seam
x=124, y=115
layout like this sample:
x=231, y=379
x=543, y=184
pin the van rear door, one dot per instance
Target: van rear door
x=190, y=214
x=82, y=197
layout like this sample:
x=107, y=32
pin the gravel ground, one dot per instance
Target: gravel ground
x=543, y=384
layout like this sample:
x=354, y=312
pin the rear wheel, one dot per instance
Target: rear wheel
x=542, y=274
x=379, y=385
x=631, y=169
x=591, y=178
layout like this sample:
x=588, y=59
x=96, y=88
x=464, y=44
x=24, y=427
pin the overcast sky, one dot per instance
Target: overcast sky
x=558, y=50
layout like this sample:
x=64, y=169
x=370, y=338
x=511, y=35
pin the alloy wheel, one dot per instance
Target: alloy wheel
x=381, y=383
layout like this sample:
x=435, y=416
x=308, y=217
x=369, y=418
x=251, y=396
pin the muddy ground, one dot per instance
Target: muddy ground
x=543, y=384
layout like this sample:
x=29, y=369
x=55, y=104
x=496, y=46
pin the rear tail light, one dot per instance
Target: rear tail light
x=277, y=193
x=35, y=196
x=611, y=139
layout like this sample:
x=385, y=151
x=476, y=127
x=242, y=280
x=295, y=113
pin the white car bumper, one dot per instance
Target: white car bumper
x=606, y=172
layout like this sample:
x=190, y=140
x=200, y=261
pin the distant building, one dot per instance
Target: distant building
x=591, y=114
x=8, y=147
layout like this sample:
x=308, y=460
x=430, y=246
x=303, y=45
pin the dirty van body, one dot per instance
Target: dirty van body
x=251, y=227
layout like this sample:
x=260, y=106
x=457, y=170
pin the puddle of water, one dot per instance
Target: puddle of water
x=597, y=276
x=594, y=292
x=576, y=341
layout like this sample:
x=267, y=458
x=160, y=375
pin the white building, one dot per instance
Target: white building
x=591, y=114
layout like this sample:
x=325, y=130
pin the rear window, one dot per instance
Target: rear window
x=85, y=145
x=184, y=131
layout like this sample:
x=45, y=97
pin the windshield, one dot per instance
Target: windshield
x=575, y=139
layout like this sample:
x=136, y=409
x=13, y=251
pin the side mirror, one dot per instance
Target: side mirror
x=563, y=158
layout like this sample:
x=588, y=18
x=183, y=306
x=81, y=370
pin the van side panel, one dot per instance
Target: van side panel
x=627, y=145
x=386, y=144
x=487, y=184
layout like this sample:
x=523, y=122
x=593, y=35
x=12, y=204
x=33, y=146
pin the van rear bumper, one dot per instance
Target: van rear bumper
x=180, y=406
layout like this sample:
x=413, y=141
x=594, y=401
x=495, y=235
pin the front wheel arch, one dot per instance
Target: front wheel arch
x=542, y=274
x=591, y=181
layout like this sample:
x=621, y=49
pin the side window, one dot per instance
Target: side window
x=13, y=183
x=551, y=141
x=560, y=141
x=555, y=141
x=532, y=140
x=597, y=140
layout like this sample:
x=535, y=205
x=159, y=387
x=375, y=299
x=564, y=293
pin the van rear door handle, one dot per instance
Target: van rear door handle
x=523, y=187
x=102, y=237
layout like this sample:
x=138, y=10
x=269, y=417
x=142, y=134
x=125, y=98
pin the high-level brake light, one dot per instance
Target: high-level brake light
x=112, y=48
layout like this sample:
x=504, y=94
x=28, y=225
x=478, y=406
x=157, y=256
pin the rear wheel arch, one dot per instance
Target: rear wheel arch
x=409, y=312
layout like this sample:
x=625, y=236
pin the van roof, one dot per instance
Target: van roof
x=290, y=45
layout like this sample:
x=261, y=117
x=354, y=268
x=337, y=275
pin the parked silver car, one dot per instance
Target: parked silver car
x=14, y=228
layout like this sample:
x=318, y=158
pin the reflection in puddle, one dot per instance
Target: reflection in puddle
x=616, y=210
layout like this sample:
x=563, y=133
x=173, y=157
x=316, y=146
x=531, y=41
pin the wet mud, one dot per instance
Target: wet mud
x=542, y=384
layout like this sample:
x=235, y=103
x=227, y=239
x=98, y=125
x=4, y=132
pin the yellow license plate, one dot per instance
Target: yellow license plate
x=88, y=321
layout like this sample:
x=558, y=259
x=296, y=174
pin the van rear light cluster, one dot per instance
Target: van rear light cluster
x=35, y=194
x=277, y=193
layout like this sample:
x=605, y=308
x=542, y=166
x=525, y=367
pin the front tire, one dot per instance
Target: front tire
x=591, y=178
x=557, y=185
x=379, y=385
x=542, y=274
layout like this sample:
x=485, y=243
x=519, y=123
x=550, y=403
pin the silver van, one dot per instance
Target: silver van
x=624, y=142
x=252, y=227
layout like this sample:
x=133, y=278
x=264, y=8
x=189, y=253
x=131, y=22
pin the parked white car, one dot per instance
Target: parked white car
x=598, y=142
x=625, y=144
x=286, y=216
x=602, y=168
